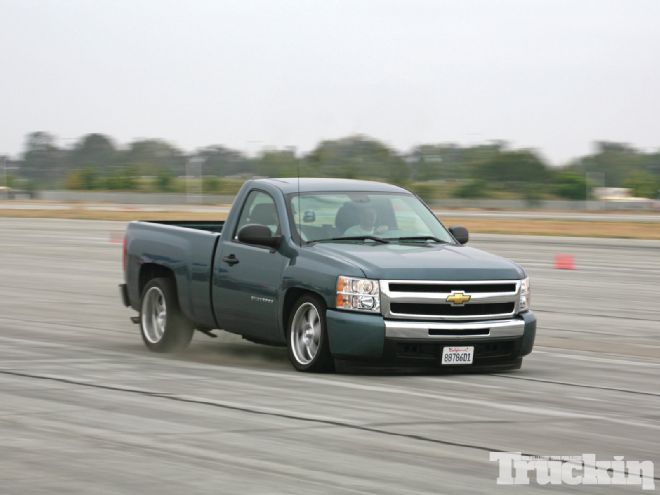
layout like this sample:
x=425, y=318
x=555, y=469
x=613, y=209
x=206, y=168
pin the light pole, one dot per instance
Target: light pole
x=194, y=164
x=4, y=173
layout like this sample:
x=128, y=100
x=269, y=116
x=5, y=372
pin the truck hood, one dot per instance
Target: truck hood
x=423, y=262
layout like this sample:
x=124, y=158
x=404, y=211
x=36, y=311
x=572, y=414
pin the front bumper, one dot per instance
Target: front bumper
x=434, y=331
x=371, y=337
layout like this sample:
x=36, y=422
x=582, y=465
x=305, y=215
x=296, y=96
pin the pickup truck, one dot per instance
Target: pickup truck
x=331, y=269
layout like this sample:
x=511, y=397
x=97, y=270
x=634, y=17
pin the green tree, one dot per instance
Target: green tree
x=439, y=161
x=277, y=163
x=643, y=184
x=614, y=161
x=120, y=179
x=512, y=166
x=212, y=185
x=357, y=157
x=221, y=161
x=97, y=150
x=425, y=190
x=474, y=188
x=43, y=161
x=570, y=185
x=164, y=180
x=148, y=156
x=425, y=162
x=86, y=178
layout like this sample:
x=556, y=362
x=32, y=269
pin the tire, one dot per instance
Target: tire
x=307, y=344
x=163, y=326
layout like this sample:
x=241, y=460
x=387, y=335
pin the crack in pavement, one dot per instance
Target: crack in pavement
x=578, y=385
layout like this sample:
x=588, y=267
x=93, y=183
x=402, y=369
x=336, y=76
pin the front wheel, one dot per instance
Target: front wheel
x=163, y=326
x=307, y=340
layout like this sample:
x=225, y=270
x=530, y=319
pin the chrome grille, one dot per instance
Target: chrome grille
x=427, y=300
x=451, y=286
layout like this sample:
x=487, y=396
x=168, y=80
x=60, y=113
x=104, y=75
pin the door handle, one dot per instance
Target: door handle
x=230, y=260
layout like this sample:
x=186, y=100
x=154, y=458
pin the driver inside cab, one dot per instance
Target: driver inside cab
x=366, y=225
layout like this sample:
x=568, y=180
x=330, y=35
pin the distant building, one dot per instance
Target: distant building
x=616, y=194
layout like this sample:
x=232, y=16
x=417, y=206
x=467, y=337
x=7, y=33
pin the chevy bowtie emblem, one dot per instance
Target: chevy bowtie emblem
x=458, y=298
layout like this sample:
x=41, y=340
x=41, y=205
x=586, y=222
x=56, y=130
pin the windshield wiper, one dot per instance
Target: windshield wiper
x=418, y=238
x=356, y=238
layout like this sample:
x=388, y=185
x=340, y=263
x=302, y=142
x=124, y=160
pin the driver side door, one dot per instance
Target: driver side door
x=247, y=278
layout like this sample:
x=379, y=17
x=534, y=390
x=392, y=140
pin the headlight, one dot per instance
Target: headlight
x=524, y=295
x=358, y=294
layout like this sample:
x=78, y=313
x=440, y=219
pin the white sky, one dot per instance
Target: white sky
x=552, y=75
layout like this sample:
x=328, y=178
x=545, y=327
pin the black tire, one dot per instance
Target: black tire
x=170, y=330
x=321, y=360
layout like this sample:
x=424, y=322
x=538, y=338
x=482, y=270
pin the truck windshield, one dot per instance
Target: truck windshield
x=361, y=216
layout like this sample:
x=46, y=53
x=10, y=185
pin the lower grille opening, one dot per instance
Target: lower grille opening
x=449, y=310
x=419, y=351
x=476, y=331
x=484, y=352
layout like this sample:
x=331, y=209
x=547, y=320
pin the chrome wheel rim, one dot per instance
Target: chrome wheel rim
x=305, y=333
x=154, y=315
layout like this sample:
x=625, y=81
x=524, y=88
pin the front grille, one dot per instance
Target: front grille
x=427, y=300
x=449, y=310
x=449, y=287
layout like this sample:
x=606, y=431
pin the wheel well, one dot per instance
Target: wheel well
x=292, y=295
x=149, y=271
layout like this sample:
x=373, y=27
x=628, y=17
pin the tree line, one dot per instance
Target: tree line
x=494, y=169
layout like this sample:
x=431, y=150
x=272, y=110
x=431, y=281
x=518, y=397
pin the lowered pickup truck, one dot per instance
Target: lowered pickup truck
x=331, y=268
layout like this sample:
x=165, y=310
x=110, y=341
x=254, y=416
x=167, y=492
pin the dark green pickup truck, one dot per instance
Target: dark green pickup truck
x=330, y=268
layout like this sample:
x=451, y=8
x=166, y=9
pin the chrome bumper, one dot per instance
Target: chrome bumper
x=455, y=330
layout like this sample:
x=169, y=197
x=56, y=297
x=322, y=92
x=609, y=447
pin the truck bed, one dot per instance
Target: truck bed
x=187, y=249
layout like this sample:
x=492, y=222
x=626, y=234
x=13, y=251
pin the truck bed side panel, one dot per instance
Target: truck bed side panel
x=188, y=253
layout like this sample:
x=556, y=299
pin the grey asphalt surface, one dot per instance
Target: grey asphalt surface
x=84, y=408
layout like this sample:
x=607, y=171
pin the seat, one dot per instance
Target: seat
x=263, y=214
x=347, y=216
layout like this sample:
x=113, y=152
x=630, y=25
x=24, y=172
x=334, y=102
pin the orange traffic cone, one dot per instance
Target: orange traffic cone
x=564, y=262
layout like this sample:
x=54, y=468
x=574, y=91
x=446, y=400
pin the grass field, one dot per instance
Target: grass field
x=578, y=228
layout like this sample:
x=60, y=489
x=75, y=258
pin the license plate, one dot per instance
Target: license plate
x=458, y=354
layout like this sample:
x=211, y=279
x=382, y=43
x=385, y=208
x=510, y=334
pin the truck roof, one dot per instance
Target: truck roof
x=308, y=184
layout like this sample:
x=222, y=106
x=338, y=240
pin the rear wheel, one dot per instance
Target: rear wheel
x=307, y=338
x=163, y=326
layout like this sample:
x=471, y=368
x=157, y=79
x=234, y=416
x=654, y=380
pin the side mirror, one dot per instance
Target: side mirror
x=460, y=234
x=258, y=235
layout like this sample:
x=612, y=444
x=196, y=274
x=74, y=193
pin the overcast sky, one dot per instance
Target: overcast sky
x=551, y=75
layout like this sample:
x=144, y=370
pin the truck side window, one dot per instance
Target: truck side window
x=259, y=209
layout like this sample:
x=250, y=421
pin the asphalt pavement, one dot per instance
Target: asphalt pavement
x=84, y=408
